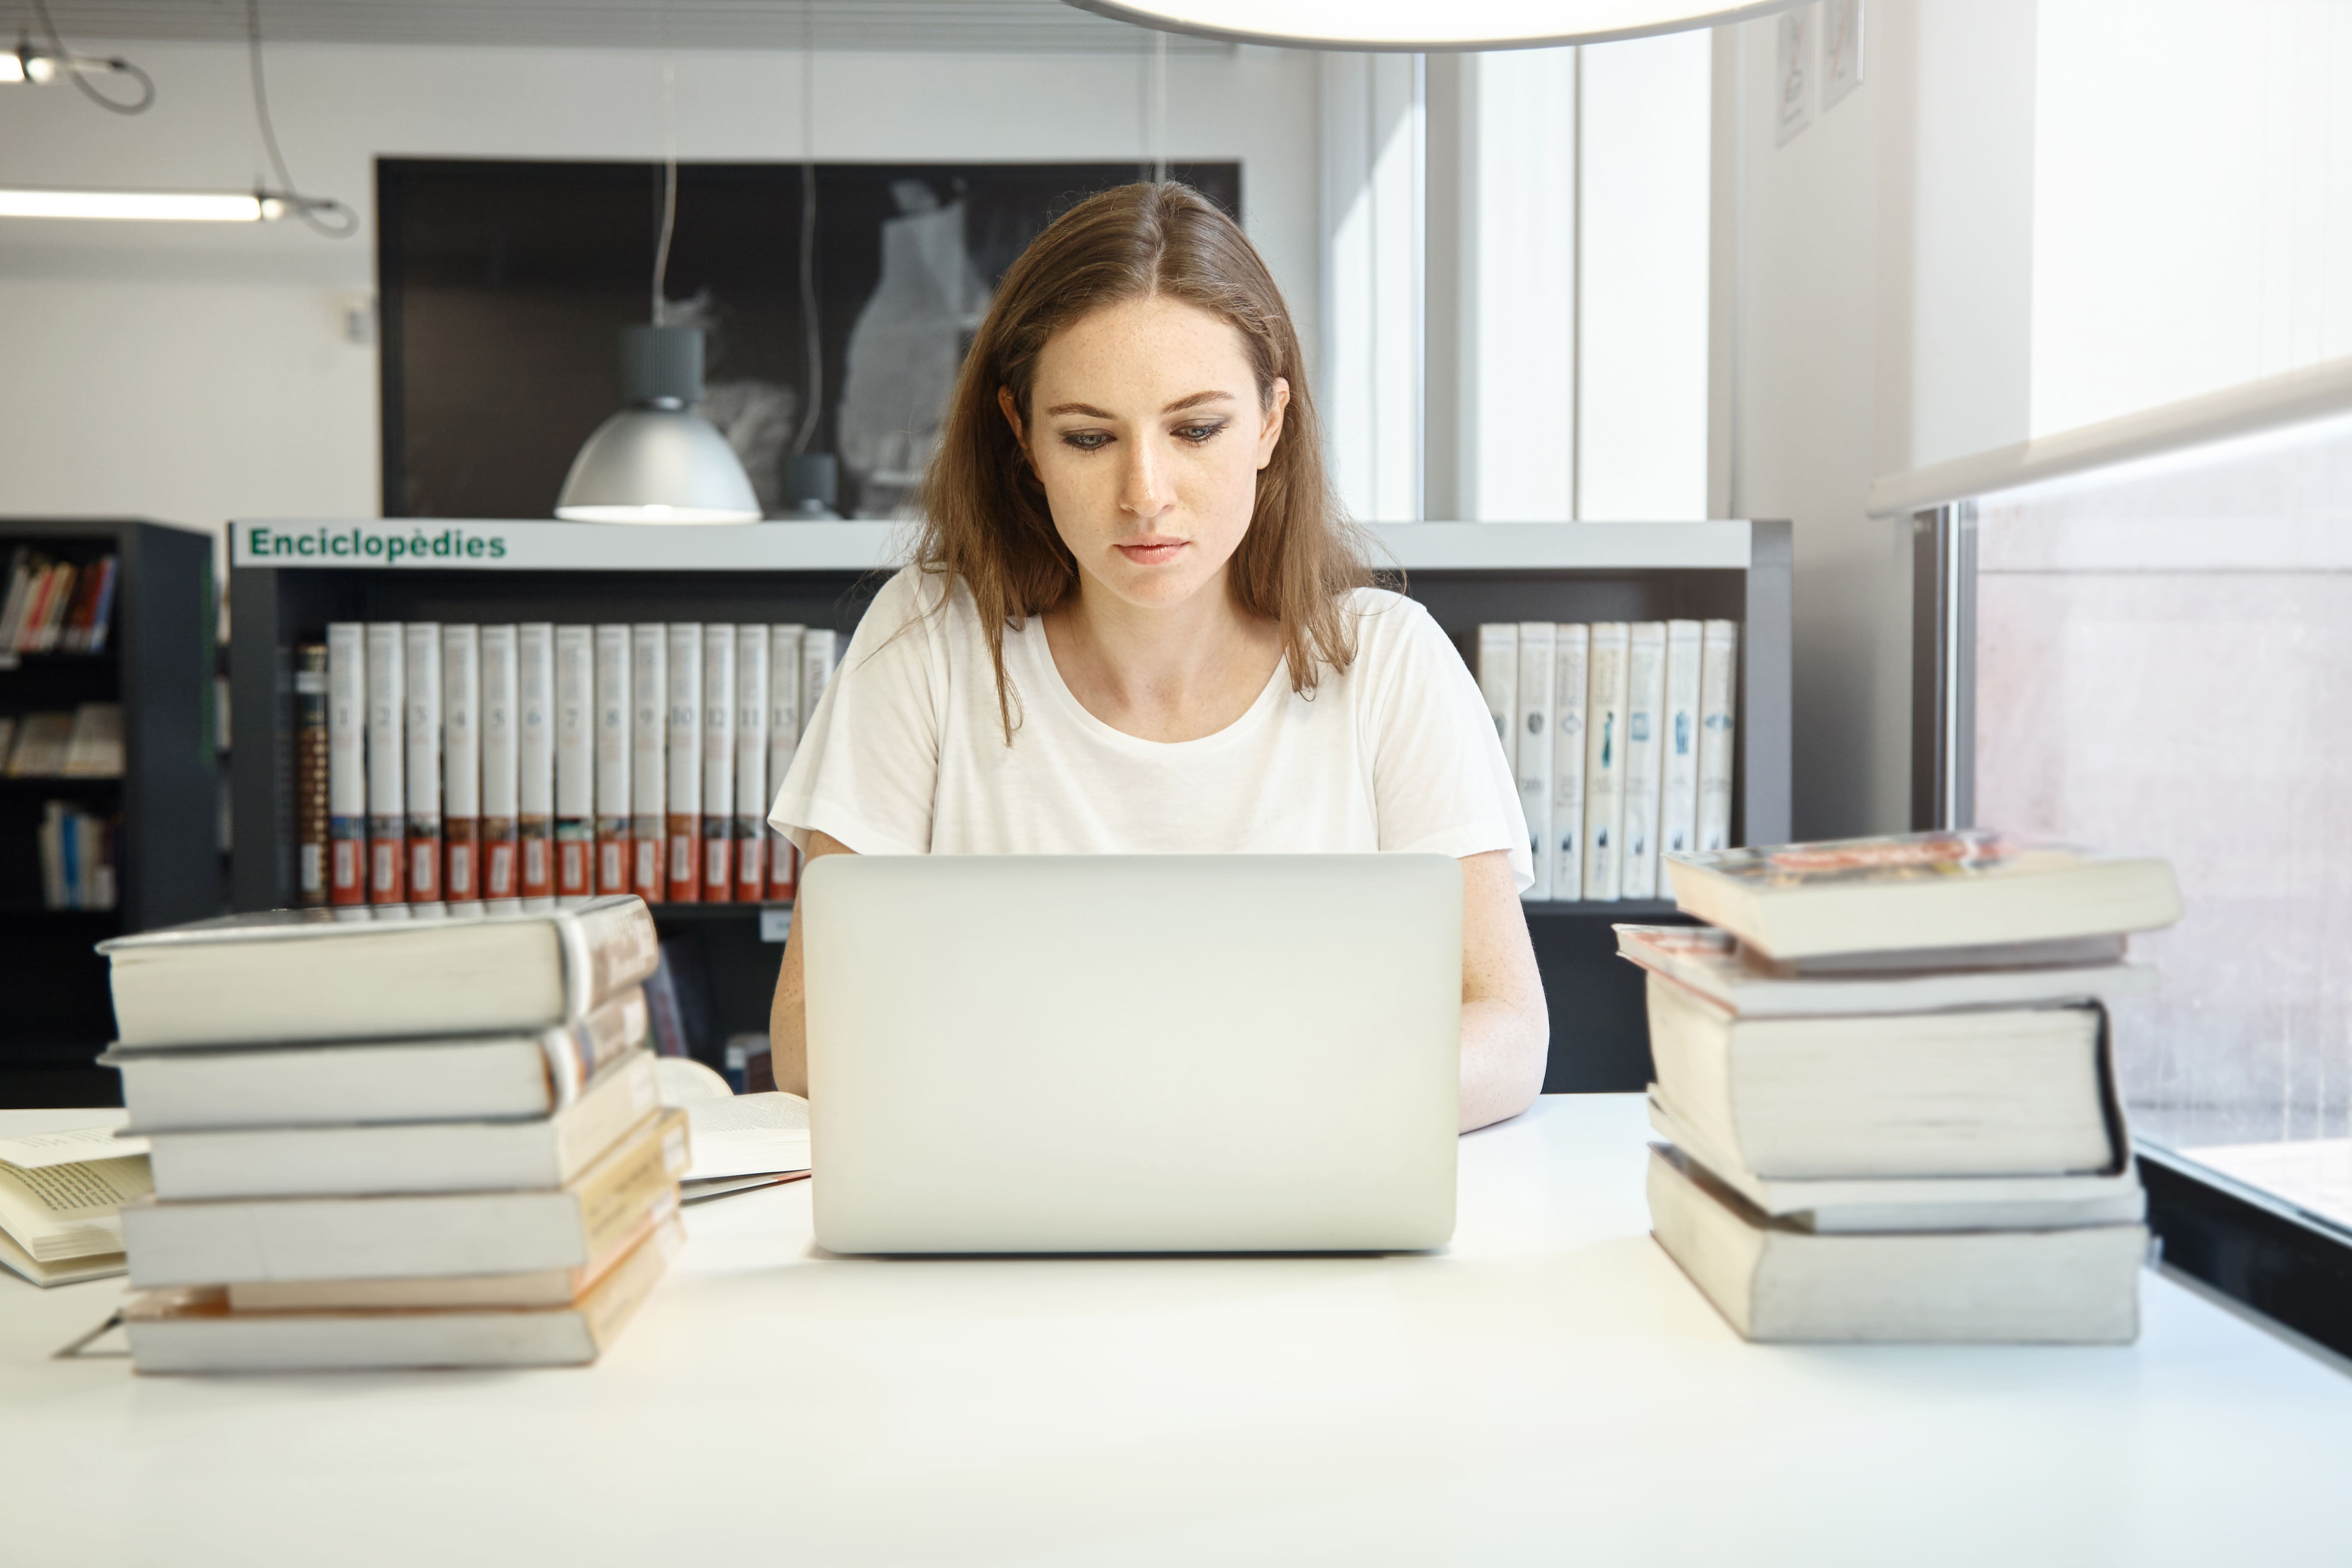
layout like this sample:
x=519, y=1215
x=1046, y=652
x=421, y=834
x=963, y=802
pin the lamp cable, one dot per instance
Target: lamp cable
x=323, y=214
x=77, y=68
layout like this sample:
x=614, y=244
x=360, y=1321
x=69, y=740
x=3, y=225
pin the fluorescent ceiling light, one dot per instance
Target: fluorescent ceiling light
x=178, y=207
x=1419, y=25
x=12, y=67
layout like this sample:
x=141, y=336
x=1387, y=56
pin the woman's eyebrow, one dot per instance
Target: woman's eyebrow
x=1091, y=412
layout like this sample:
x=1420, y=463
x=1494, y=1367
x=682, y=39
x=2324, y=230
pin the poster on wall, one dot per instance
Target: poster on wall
x=505, y=284
x=1840, y=49
x=1793, y=101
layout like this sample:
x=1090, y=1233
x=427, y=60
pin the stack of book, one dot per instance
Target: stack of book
x=57, y=607
x=1886, y=1089
x=549, y=764
x=392, y=1144
x=1619, y=735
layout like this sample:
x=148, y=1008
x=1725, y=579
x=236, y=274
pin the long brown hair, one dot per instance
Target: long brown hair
x=985, y=518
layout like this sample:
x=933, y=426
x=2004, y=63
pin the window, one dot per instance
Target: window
x=2163, y=662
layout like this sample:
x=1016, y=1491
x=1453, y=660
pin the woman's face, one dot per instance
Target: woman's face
x=1147, y=432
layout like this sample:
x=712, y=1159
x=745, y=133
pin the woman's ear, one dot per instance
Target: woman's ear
x=1271, y=432
x=1013, y=418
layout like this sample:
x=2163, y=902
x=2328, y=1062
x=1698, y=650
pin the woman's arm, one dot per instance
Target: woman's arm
x=1506, y=1031
x=787, y=1025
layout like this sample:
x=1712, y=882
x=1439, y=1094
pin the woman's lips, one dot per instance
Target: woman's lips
x=1151, y=551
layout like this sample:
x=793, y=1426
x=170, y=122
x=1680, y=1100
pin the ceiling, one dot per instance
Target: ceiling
x=1026, y=26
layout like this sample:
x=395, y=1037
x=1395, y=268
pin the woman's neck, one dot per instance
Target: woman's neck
x=1173, y=673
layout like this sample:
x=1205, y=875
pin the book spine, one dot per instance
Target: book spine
x=310, y=767
x=1719, y=684
x=575, y=765
x=347, y=824
x=535, y=771
x=20, y=585
x=501, y=763
x=1604, y=763
x=102, y=619
x=685, y=744
x=817, y=650
x=1645, y=701
x=750, y=764
x=718, y=765
x=62, y=578
x=607, y=950
x=423, y=740
x=613, y=759
x=1538, y=645
x=649, y=761
x=1498, y=681
x=1679, y=800
x=1571, y=662
x=784, y=740
x=461, y=763
x=388, y=715
x=577, y=1052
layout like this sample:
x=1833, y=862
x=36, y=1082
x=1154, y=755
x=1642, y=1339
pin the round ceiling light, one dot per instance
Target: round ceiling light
x=1418, y=24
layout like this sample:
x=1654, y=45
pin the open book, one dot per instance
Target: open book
x=738, y=1140
x=64, y=1178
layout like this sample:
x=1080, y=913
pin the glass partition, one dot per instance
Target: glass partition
x=2163, y=663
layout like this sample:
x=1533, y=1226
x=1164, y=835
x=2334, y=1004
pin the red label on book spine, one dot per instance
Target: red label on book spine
x=685, y=859
x=751, y=866
x=424, y=868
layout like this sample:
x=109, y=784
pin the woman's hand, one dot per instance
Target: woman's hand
x=787, y=1024
x=1506, y=1030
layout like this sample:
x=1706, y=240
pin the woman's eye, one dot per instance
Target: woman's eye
x=1196, y=433
x=1086, y=440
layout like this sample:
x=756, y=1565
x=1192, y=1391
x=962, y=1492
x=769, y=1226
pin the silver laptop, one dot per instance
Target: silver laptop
x=1160, y=1053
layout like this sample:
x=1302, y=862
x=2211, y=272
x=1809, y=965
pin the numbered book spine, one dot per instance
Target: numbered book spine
x=1719, y=684
x=614, y=758
x=535, y=778
x=784, y=738
x=422, y=639
x=1678, y=801
x=750, y=764
x=501, y=764
x=648, y=760
x=718, y=764
x=461, y=763
x=312, y=765
x=1571, y=660
x=1604, y=763
x=347, y=824
x=1498, y=679
x=1536, y=647
x=685, y=740
x=1645, y=701
x=817, y=647
x=575, y=764
x=388, y=715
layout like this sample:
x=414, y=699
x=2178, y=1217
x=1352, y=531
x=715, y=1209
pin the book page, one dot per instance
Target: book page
x=32, y=1150
x=61, y=1210
x=747, y=1134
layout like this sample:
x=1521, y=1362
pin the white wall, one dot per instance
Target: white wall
x=199, y=374
x=1881, y=264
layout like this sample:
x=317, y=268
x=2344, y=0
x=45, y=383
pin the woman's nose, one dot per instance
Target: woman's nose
x=1143, y=489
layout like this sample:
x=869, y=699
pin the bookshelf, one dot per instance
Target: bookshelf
x=158, y=663
x=289, y=579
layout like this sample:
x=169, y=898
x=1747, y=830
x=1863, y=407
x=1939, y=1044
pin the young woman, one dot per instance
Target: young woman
x=1136, y=623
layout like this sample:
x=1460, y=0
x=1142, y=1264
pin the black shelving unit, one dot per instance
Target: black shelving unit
x=288, y=580
x=158, y=665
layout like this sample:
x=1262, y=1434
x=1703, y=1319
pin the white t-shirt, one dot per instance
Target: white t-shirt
x=905, y=754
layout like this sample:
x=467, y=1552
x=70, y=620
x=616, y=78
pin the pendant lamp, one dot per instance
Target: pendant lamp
x=1419, y=25
x=657, y=460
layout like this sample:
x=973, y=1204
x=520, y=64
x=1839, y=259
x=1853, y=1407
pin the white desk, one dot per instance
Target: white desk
x=1550, y=1390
